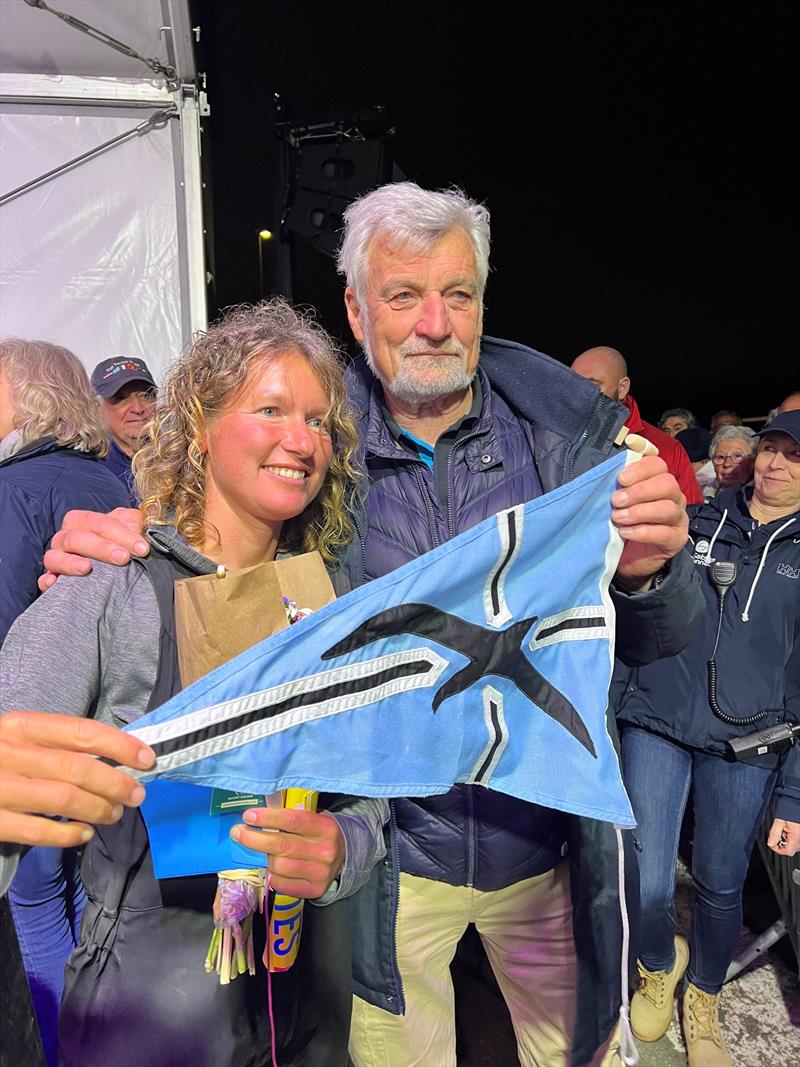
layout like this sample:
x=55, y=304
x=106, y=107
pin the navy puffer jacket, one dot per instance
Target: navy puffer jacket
x=470, y=835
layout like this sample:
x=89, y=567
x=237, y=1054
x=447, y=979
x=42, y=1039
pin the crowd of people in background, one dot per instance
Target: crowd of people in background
x=434, y=429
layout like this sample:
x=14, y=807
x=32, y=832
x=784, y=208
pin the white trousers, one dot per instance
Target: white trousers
x=526, y=930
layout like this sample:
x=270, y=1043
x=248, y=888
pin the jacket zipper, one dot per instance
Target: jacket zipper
x=428, y=506
x=449, y=508
x=363, y=542
x=471, y=834
x=469, y=790
x=396, y=887
x=581, y=441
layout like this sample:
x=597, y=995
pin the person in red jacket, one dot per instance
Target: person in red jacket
x=606, y=367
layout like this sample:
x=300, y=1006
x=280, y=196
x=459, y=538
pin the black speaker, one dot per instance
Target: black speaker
x=328, y=174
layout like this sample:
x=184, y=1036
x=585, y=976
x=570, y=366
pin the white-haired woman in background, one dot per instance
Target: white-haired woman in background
x=732, y=452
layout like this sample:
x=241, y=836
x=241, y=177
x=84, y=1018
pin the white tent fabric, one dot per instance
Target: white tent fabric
x=90, y=259
x=35, y=42
x=105, y=257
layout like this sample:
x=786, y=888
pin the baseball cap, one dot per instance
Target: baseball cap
x=696, y=441
x=786, y=422
x=110, y=375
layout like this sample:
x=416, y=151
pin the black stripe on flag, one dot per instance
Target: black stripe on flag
x=570, y=624
x=299, y=700
x=498, y=737
x=512, y=544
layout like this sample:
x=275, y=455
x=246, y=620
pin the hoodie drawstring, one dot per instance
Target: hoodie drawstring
x=716, y=535
x=762, y=561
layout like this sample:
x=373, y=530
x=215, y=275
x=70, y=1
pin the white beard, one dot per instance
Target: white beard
x=423, y=378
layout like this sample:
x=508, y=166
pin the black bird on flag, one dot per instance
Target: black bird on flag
x=490, y=652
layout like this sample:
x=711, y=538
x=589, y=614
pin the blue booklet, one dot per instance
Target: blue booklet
x=186, y=837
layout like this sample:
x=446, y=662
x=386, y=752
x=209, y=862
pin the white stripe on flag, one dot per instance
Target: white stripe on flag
x=497, y=730
x=509, y=529
x=563, y=632
x=232, y=709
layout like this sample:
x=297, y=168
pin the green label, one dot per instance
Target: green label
x=223, y=800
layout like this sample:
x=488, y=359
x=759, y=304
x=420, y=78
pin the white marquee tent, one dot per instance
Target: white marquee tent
x=101, y=228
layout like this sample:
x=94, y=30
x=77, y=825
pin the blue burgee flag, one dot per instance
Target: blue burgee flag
x=486, y=660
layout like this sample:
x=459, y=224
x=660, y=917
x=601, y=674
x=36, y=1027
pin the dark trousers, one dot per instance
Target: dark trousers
x=20, y=1045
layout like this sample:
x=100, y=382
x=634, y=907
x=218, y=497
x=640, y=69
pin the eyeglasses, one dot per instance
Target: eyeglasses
x=734, y=457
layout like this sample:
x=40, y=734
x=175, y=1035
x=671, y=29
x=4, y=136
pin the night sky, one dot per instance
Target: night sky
x=635, y=159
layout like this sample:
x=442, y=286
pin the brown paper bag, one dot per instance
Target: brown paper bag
x=217, y=618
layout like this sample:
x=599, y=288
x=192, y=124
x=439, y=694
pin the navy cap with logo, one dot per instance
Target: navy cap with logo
x=109, y=376
x=786, y=422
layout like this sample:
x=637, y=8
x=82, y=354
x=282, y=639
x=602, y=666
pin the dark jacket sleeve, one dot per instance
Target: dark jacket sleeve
x=22, y=545
x=660, y=622
x=787, y=789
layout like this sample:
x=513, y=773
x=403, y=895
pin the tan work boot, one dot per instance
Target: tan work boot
x=651, y=1007
x=704, y=1043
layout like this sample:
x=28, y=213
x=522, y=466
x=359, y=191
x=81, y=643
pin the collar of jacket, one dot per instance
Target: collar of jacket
x=379, y=439
x=736, y=500
x=168, y=542
x=117, y=456
x=40, y=447
x=540, y=389
x=634, y=421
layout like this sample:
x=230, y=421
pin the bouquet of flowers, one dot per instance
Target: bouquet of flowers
x=240, y=895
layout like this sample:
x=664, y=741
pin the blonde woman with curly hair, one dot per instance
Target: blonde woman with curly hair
x=249, y=455
x=213, y=392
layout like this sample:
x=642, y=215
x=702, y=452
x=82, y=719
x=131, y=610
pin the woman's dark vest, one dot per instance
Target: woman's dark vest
x=136, y=990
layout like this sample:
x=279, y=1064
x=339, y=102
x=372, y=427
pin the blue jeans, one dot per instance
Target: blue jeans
x=47, y=900
x=729, y=804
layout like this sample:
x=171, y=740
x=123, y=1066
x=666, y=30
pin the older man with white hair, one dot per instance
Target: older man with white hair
x=455, y=427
